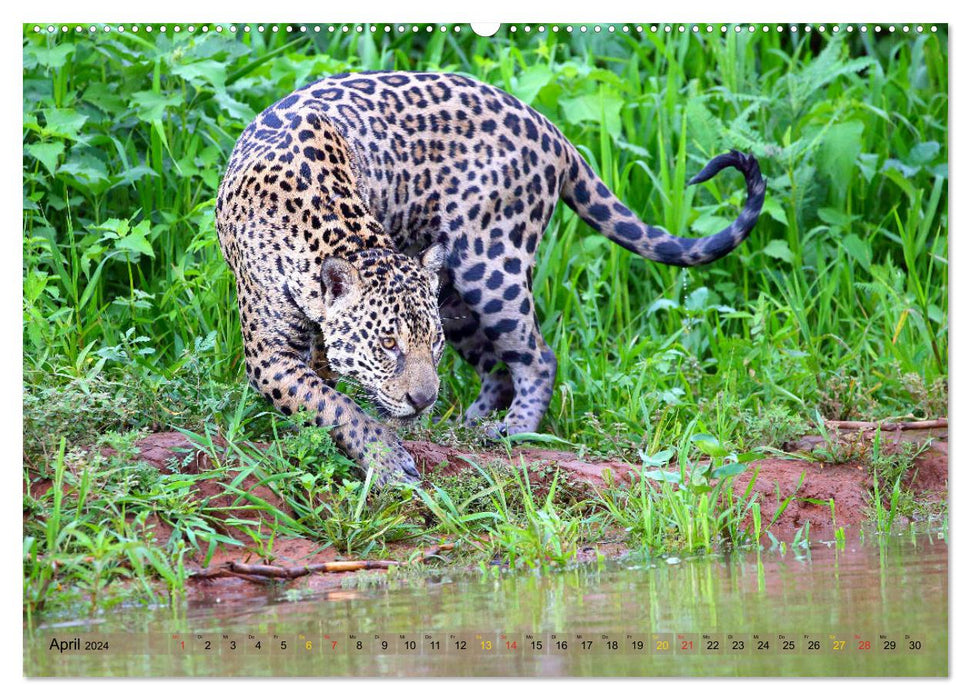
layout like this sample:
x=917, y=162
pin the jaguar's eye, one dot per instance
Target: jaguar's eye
x=388, y=343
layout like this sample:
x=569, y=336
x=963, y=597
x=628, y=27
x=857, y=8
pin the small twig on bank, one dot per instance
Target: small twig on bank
x=887, y=427
x=261, y=573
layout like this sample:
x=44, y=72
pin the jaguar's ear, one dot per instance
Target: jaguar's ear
x=432, y=260
x=339, y=281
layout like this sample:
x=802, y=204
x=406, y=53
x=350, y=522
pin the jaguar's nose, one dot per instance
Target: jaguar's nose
x=420, y=400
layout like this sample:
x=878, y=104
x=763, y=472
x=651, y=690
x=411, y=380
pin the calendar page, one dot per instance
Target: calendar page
x=485, y=350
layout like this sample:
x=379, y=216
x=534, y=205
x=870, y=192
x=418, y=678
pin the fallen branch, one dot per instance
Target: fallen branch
x=259, y=573
x=887, y=427
x=289, y=572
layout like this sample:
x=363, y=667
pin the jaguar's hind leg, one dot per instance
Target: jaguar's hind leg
x=507, y=333
x=492, y=276
x=533, y=367
x=462, y=331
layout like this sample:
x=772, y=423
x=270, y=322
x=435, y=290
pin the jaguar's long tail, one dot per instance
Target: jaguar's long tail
x=588, y=196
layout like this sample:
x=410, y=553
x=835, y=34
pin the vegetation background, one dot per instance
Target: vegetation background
x=836, y=307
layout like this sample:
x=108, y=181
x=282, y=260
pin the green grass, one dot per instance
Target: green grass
x=836, y=306
x=892, y=498
x=89, y=547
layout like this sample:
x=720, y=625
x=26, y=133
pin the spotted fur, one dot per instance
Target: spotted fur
x=331, y=193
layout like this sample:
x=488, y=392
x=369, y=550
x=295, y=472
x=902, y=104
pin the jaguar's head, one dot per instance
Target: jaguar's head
x=382, y=326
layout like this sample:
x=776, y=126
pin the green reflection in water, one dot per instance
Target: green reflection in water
x=894, y=587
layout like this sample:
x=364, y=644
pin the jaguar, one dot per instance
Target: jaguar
x=368, y=218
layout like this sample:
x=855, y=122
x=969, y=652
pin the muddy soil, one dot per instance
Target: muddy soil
x=813, y=485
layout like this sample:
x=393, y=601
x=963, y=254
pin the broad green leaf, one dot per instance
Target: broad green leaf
x=867, y=163
x=838, y=152
x=730, y=469
x=46, y=153
x=603, y=76
x=662, y=304
x=709, y=224
x=901, y=167
x=106, y=98
x=660, y=475
x=697, y=299
x=207, y=72
x=119, y=227
x=775, y=210
x=87, y=170
x=136, y=241
x=48, y=56
x=233, y=107
x=857, y=249
x=150, y=106
x=779, y=249
x=657, y=460
x=213, y=46
x=527, y=84
x=923, y=153
x=64, y=123
x=593, y=108
x=709, y=445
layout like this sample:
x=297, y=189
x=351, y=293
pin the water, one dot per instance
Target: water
x=872, y=609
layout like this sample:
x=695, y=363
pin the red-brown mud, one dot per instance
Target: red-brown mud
x=811, y=485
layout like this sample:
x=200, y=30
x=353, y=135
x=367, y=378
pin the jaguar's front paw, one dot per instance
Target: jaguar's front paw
x=392, y=465
x=501, y=430
x=495, y=430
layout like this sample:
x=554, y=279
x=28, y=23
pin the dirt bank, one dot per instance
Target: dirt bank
x=811, y=484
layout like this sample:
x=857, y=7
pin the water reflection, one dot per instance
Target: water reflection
x=728, y=615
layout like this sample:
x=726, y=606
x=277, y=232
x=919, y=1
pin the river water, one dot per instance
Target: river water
x=877, y=607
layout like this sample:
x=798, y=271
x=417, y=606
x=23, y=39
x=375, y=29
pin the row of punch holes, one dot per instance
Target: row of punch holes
x=486, y=30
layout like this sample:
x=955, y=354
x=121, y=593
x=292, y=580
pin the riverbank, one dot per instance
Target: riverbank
x=818, y=488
